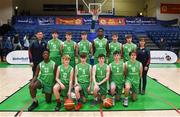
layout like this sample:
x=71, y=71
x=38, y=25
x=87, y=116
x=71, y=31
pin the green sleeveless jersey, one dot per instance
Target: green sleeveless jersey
x=46, y=74
x=127, y=48
x=114, y=46
x=83, y=73
x=100, y=46
x=54, y=47
x=84, y=47
x=117, y=72
x=133, y=71
x=100, y=72
x=68, y=48
x=65, y=74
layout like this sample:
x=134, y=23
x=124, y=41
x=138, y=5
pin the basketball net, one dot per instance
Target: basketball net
x=95, y=14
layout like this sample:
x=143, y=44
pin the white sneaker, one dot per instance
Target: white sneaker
x=125, y=102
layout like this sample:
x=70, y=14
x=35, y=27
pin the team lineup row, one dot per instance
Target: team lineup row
x=105, y=78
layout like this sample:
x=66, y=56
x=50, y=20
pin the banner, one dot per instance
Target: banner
x=140, y=21
x=88, y=21
x=112, y=21
x=46, y=20
x=163, y=57
x=69, y=21
x=170, y=8
x=25, y=20
x=18, y=57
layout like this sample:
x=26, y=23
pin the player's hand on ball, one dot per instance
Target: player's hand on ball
x=69, y=94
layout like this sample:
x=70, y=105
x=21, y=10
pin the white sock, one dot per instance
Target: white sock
x=34, y=100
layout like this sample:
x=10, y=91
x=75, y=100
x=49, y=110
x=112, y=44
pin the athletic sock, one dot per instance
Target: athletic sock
x=58, y=101
x=34, y=100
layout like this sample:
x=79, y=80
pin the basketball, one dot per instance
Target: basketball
x=107, y=103
x=69, y=104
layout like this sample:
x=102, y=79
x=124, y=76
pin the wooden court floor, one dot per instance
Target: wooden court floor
x=13, y=78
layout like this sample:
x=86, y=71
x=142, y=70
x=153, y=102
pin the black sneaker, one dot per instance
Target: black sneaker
x=58, y=106
x=143, y=92
x=33, y=106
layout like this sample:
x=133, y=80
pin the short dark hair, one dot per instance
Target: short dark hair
x=83, y=55
x=141, y=39
x=39, y=31
x=116, y=34
x=132, y=52
x=68, y=33
x=46, y=50
x=116, y=52
x=128, y=36
x=54, y=31
x=83, y=33
x=100, y=29
x=101, y=55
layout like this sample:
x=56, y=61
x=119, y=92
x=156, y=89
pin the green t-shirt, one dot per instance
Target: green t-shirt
x=117, y=72
x=54, y=47
x=114, y=46
x=83, y=73
x=84, y=47
x=65, y=74
x=100, y=72
x=133, y=71
x=100, y=46
x=69, y=48
x=127, y=48
x=46, y=74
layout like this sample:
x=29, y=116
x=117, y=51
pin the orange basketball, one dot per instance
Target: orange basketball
x=69, y=104
x=108, y=102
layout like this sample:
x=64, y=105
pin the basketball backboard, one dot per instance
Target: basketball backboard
x=99, y=7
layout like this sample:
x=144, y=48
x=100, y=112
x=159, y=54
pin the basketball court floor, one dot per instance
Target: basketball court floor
x=162, y=97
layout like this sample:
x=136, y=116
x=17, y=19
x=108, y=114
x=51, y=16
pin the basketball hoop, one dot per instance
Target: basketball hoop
x=95, y=14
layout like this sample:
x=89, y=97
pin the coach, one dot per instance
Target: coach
x=143, y=56
x=36, y=50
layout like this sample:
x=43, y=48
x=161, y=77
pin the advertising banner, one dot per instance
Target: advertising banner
x=69, y=21
x=112, y=21
x=18, y=57
x=170, y=8
x=163, y=57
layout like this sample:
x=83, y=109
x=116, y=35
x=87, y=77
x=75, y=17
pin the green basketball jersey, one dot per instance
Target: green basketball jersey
x=68, y=48
x=54, y=47
x=100, y=46
x=127, y=48
x=133, y=71
x=100, y=72
x=117, y=72
x=84, y=47
x=83, y=71
x=114, y=46
x=65, y=74
x=46, y=74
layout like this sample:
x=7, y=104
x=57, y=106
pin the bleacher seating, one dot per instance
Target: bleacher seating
x=155, y=31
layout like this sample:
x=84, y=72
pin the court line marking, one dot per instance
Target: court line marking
x=165, y=101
